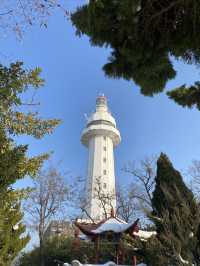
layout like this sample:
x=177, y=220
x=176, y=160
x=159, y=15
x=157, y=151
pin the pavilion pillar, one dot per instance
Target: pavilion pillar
x=134, y=261
x=117, y=254
x=123, y=256
x=97, y=249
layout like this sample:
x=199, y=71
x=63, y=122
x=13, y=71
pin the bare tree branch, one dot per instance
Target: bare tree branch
x=104, y=199
x=6, y=13
x=144, y=179
x=127, y=205
x=48, y=198
x=194, y=172
x=16, y=15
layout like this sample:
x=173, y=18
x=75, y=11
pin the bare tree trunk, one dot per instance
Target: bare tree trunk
x=41, y=253
x=48, y=197
x=42, y=262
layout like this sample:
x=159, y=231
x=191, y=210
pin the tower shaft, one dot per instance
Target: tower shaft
x=100, y=184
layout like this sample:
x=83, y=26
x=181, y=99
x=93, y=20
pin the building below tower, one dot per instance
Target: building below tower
x=59, y=228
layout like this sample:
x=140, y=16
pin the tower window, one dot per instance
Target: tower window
x=104, y=148
x=104, y=137
x=104, y=185
x=104, y=172
x=104, y=159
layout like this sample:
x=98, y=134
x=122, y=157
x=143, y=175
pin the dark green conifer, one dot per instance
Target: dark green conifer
x=186, y=96
x=144, y=36
x=12, y=238
x=14, y=162
x=176, y=217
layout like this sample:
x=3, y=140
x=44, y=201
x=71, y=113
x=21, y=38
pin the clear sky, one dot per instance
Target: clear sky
x=73, y=74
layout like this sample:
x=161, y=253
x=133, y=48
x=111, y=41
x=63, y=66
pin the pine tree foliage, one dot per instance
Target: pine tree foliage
x=176, y=216
x=14, y=82
x=12, y=238
x=186, y=96
x=169, y=183
x=14, y=162
x=143, y=36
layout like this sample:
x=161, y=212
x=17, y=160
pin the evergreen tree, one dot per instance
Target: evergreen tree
x=176, y=217
x=186, y=96
x=14, y=162
x=143, y=35
x=66, y=249
x=12, y=238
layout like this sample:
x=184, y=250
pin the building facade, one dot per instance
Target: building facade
x=59, y=228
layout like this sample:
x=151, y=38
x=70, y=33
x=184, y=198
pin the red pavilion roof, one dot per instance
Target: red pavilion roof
x=112, y=224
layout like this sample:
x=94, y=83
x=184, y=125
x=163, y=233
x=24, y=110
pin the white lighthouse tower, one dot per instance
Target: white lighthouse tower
x=100, y=136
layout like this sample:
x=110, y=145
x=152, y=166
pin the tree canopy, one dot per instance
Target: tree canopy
x=14, y=162
x=144, y=36
x=65, y=249
x=176, y=216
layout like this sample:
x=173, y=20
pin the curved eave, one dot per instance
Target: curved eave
x=85, y=231
x=90, y=233
x=132, y=228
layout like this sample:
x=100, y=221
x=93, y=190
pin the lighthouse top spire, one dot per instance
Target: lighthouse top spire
x=101, y=103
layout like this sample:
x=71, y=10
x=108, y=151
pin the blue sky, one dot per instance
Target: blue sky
x=73, y=74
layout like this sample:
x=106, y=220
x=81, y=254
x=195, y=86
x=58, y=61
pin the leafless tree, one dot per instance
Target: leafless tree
x=194, y=172
x=127, y=204
x=16, y=15
x=47, y=198
x=133, y=201
x=104, y=198
x=143, y=181
x=80, y=200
